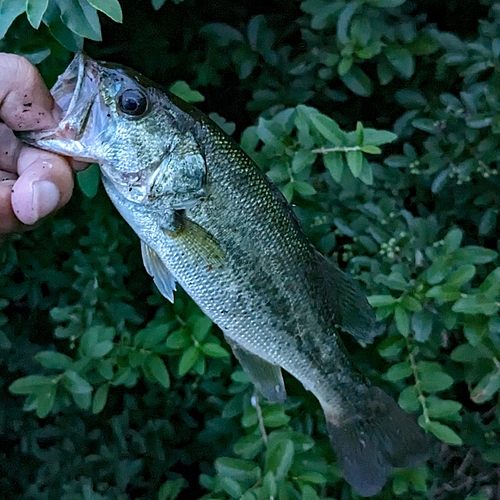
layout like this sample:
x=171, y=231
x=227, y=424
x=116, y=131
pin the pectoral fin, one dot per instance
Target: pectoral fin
x=161, y=275
x=266, y=377
x=347, y=301
x=203, y=248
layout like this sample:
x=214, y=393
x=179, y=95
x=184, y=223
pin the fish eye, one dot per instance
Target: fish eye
x=133, y=102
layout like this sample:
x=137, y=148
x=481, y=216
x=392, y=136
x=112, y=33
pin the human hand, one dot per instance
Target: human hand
x=33, y=183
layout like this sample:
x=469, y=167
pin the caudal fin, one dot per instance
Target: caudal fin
x=378, y=437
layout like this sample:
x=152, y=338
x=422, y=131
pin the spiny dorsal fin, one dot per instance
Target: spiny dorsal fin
x=343, y=296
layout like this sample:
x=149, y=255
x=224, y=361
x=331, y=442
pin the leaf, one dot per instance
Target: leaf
x=188, y=360
x=100, y=349
x=343, y=22
x=158, y=370
x=476, y=304
x=443, y=408
x=461, y=276
x=76, y=384
x=334, y=162
x=9, y=10
x=357, y=81
x=401, y=59
x=303, y=188
x=385, y=3
x=182, y=90
x=242, y=471
x=279, y=458
x=369, y=149
x=354, y=162
x=35, y=9
x=376, y=137
x=382, y=300
x=100, y=399
x=399, y=371
x=88, y=180
x=473, y=254
x=488, y=222
x=53, y=360
x=444, y=433
x=45, y=400
x=81, y=18
x=327, y=127
x=171, y=489
x=180, y=339
x=30, y=384
x=486, y=388
x=201, y=328
x=408, y=399
x=275, y=416
x=453, y=239
x=214, y=350
x=402, y=320
x=111, y=8
x=432, y=378
x=421, y=323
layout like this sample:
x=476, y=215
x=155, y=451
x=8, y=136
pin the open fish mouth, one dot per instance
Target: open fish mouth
x=74, y=92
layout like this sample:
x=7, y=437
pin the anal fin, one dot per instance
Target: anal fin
x=161, y=275
x=266, y=377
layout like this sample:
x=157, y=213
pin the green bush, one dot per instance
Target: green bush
x=382, y=127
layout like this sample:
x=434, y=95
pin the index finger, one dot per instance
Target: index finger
x=25, y=101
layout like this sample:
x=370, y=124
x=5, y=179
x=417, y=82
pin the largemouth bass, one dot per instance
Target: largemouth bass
x=209, y=220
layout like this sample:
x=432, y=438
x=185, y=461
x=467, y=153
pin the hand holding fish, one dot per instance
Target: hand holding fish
x=33, y=183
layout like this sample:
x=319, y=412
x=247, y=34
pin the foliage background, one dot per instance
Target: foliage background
x=108, y=392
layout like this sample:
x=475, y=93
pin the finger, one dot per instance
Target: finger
x=10, y=148
x=25, y=102
x=45, y=184
x=8, y=221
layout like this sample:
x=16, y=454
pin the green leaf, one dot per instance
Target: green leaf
x=374, y=137
x=75, y=383
x=180, y=339
x=354, y=162
x=214, y=350
x=100, y=349
x=158, y=370
x=432, y=377
x=275, y=416
x=421, y=323
x=382, y=300
x=201, y=328
x=9, y=10
x=111, y=8
x=100, y=399
x=249, y=446
x=327, y=127
x=335, y=164
x=343, y=22
x=476, y=304
x=475, y=255
x=31, y=384
x=88, y=180
x=35, y=9
x=369, y=149
x=45, y=399
x=452, y=240
x=488, y=222
x=304, y=188
x=53, y=360
x=188, y=359
x=402, y=320
x=408, y=399
x=444, y=433
x=443, y=408
x=385, y=3
x=358, y=82
x=486, y=388
x=401, y=59
x=461, y=276
x=171, y=489
x=182, y=90
x=157, y=5
x=81, y=18
x=279, y=458
x=242, y=471
x=399, y=371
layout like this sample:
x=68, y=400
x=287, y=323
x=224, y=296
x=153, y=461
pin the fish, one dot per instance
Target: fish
x=209, y=220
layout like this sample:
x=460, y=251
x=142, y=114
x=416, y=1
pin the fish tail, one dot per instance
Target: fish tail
x=379, y=436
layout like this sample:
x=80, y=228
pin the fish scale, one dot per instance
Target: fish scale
x=210, y=220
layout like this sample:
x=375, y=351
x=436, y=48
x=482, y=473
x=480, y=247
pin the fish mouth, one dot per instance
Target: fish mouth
x=74, y=92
